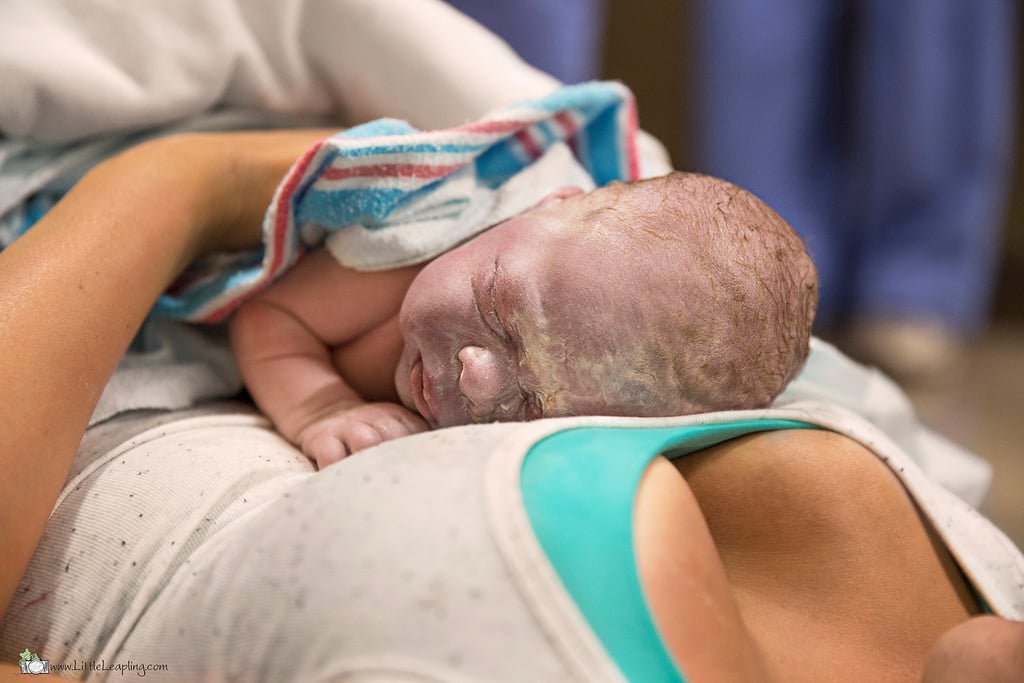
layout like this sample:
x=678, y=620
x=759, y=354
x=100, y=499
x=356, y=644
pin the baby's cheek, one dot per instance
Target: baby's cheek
x=598, y=381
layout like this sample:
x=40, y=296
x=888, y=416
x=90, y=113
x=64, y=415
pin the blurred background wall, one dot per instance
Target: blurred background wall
x=648, y=46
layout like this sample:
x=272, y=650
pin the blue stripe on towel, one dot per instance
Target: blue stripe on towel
x=357, y=179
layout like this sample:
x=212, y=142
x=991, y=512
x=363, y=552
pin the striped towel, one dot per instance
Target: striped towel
x=384, y=195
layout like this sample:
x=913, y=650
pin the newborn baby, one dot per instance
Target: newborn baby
x=667, y=296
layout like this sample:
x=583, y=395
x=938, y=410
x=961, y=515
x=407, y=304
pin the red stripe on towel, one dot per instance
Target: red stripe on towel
x=491, y=126
x=282, y=220
x=631, y=126
x=525, y=138
x=568, y=123
x=390, y=171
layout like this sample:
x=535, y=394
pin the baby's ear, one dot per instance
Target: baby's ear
x=559, y=194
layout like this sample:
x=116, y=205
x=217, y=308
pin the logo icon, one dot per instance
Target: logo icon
x=31, y=664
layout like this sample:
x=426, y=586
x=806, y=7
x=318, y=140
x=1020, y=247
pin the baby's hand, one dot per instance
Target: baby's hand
x=347, y=430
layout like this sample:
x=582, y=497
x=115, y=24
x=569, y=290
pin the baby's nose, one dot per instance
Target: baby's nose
x=480, y=379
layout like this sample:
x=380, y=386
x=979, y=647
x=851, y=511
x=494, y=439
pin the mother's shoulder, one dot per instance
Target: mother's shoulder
x=799, y=468
x=819, y=538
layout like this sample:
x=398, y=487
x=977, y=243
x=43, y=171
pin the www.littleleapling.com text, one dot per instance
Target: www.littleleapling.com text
x=101, y=665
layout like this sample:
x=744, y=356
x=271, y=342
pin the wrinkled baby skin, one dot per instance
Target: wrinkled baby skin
x=510, y=326
x=668, y=296
x=613, y=303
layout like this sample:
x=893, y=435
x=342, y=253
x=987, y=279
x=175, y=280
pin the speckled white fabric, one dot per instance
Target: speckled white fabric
x=207, y=544
x=204, y=542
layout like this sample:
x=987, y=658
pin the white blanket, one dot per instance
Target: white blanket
x=75, y=69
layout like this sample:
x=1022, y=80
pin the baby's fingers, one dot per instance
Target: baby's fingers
x=325, y=449
x=379, y=426
x=359, y=435
x=356, y=429
x=408, y=423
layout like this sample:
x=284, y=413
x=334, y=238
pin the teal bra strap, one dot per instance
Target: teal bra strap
x=579, y=488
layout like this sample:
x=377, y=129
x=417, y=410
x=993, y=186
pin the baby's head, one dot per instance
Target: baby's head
x=668, y=296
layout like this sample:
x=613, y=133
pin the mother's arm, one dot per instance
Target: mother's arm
x=75, y=289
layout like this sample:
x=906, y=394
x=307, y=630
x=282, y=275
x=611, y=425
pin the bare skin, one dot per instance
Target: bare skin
x=985, y=649
x=795, y=556
x=613, y=302
x=65, y=306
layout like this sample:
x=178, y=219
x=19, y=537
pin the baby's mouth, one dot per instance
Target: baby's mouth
x=420, y=385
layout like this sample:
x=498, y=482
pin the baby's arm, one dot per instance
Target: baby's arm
x=286, y=341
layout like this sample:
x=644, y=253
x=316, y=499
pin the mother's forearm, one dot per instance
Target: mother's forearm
x=73, y=292
x=75, y=289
